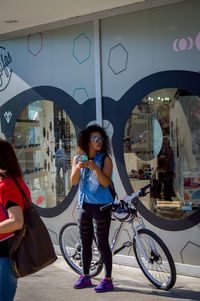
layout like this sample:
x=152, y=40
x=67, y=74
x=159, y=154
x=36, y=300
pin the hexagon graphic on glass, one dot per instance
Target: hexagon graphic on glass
x=81, y=48
x=35, y=43
x=118, y=59
x=80, y=95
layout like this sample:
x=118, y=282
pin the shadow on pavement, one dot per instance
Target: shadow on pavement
x=176, y=292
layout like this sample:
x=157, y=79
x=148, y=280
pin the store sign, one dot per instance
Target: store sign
x=8, y=116
x=5, y=70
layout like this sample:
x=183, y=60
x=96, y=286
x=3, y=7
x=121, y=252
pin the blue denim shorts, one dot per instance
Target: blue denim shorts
x=8, y=282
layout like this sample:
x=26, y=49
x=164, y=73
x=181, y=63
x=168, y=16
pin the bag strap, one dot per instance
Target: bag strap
x=23, y=193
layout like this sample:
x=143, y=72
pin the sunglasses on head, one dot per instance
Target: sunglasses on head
x=97, y=139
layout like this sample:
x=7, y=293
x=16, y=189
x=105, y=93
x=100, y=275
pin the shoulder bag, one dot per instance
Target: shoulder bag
x=31, y=248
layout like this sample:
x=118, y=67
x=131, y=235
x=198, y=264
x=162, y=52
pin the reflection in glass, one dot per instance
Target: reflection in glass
x=143, y=133
x=163, y=148
x=45, y=159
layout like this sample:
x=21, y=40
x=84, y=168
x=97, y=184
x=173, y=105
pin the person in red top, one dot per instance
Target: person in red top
x=12, y=202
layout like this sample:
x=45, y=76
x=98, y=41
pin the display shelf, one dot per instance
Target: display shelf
x=167, y=204
x=27, y=145
x=27, y=149
x=35, y=175
x=139, y=146
x=140, y=121
x=27, y=123
x=191, y=173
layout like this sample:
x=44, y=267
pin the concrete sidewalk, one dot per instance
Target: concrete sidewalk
x=55, y=283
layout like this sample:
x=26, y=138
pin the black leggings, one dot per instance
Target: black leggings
x=92, y=221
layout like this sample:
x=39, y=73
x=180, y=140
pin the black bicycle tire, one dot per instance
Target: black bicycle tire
x=167, y=254
x=77, y=269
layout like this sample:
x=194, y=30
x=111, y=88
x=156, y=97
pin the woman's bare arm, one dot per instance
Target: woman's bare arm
x=14, y=222
x=75, y=174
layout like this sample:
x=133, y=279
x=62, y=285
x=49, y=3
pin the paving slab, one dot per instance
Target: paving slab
x=55, y=283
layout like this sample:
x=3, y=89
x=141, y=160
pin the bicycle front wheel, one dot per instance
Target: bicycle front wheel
x=70, y=245
x=154, y=259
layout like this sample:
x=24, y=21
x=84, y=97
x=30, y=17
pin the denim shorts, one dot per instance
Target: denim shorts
x=8, y=282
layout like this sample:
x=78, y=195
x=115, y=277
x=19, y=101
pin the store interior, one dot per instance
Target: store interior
x=162, y=147
x=45, y=143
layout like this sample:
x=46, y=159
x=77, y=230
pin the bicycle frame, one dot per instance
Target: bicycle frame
x=120, y=230
x=117, y=238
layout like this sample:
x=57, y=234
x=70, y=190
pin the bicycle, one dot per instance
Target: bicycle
x=152, y=255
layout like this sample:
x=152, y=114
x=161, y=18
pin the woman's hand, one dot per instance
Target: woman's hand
x=87, y=164
x=81, y=164
x=76, y=167
x=92, y=165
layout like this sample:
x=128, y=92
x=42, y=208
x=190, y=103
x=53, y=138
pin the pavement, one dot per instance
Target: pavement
x=55, y=283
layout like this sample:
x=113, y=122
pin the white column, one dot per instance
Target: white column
x=97, y=67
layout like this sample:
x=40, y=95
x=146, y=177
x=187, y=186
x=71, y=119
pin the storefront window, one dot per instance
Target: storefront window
x=45, y=143
x=162, y=147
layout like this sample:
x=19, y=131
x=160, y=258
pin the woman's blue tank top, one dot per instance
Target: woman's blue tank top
x=90, y=190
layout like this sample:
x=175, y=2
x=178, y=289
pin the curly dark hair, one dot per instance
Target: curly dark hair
x=84, y=139
x=9, y=164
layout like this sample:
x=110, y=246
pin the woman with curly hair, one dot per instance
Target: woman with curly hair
x=92, y=170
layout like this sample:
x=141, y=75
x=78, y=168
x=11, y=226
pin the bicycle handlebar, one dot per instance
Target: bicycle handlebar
x=110, y=206
x=143, y=190
x=146, y=187
x=140, y=192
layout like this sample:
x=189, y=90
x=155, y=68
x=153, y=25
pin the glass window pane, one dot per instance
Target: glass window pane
x=162, y=147
x=45, y=143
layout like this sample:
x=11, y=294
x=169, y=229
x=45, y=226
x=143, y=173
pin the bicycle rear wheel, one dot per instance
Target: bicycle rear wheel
x=70, y=246
x=155, y=261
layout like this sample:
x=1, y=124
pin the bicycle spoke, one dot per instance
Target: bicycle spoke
x=71, y=249
x=153, y=258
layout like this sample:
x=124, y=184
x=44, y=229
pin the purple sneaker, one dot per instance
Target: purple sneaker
x=104, y=286
x=82, y=282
